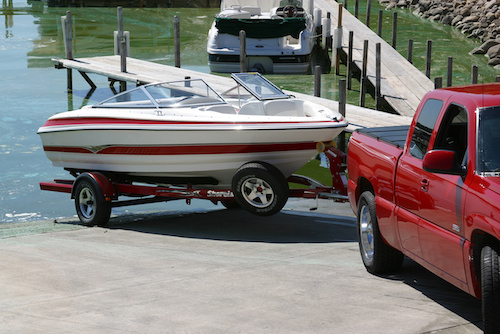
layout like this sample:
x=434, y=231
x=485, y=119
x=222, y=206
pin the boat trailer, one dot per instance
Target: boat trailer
x=96, y=193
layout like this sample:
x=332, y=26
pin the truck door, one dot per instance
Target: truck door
x=441, y=198
x=408, y=177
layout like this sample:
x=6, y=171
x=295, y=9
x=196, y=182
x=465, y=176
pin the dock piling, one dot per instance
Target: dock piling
x=438, y=82
x=68, y=46
x=380, y=21
x=338, y=40
x=410, y=51
x=394, y=29
x=122, y=46
x=378, y=76
x=428, y=59
x=474, y=74
x=342, y=111
x=449, y=72
x=317, y=81
x=364, y=80
x=177, y=41
x=349, y=59
x=368, y=12
x=243, y=51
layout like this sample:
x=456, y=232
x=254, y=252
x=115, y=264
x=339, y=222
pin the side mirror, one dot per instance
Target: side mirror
x=442, y=162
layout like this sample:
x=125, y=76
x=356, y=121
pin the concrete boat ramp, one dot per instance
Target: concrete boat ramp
x=219, y=271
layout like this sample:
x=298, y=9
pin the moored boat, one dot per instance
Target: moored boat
x=280, y=36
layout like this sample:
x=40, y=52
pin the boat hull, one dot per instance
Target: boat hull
x=182, y=150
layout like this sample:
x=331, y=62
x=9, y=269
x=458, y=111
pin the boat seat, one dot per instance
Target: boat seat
x=224, y=109
x=253, y=10
x=283, y=108
x=252, y=108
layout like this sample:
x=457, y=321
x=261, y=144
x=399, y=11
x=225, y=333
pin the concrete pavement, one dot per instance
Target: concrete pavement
x=222, y=271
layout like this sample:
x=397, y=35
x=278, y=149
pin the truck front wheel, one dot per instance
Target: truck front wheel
x=490, y=289
x=378, y=257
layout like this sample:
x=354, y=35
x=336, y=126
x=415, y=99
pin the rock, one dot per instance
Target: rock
x=493, y=52
x=469, y=19
x=481, y=50
x=447, y=19
x=494, y=62
x=457, y=19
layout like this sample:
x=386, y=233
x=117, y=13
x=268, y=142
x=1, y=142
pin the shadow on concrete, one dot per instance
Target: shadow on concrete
x=239, y=225
x=440, y=291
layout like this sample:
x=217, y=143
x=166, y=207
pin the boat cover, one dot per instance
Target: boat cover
x=262, y=28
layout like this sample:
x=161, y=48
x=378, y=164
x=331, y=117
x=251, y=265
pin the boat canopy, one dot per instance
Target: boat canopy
x=261, y=28
x=264, y=5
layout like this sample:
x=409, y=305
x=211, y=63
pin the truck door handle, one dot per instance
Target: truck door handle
x=425, y=185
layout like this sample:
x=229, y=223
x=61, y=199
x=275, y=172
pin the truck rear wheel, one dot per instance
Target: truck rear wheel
x=90, y=205
x=260, y=188
x=490, y=289
x=378, y=257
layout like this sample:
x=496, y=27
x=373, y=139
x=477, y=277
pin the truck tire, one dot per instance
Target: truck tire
x=90, y=205
x=260, y=188
x=378, y=257
x=490, y=289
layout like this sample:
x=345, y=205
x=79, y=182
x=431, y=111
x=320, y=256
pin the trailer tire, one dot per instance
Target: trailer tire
x=260, y=188
x=378, y=257
x=490, y=289
x=90, y=205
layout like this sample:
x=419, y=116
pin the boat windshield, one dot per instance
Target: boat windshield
x=264, y=5
x=487, y=143
x=258, y=86
x=173, y=94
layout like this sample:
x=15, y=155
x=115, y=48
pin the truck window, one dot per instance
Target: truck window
x=488, y=139
x=424, y=127
x=452, y=134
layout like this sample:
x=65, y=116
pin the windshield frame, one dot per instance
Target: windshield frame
x=151, y=100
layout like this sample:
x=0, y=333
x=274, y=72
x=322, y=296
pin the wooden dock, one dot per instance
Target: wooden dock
x=402, y=84
x=142, y=72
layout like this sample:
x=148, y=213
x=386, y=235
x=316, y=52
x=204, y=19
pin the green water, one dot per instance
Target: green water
x=32, y=90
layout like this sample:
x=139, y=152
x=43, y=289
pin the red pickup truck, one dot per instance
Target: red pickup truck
x=431, y=191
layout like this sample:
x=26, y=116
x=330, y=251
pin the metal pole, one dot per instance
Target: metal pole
x=356, y=8
x=394, y=28
x=449, y=71
x=243, y=51
x=177, y=41
x=474, y=74
x=317, y=81
x=428, y=59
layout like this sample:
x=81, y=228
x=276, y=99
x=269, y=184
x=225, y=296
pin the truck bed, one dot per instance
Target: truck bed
x=394, y=135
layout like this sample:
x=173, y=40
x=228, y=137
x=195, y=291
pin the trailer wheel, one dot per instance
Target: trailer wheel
x=490, y=289
x=90, y=205
x=260, y=188
x=378, y=257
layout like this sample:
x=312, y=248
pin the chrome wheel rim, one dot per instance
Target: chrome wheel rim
x=86, y=202
x=257, y=192
x=366, y=233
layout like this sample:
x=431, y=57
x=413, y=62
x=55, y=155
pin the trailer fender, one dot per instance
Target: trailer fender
x=99, y=180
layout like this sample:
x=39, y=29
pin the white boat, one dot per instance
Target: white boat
x=280, y=36
x=185, y=132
